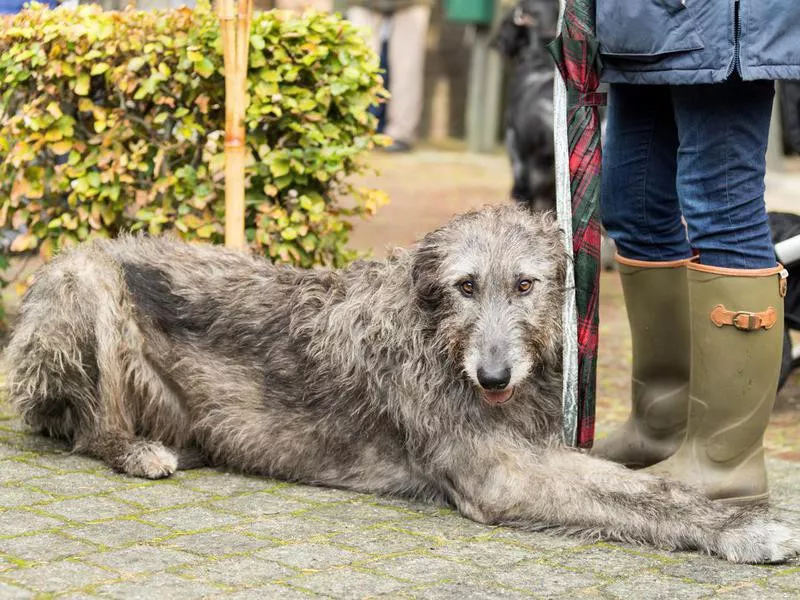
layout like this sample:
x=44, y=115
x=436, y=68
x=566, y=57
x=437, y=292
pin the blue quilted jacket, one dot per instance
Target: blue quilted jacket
x=10, y=7
x=698, y=41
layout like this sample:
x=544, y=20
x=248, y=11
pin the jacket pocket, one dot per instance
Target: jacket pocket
x=646, y=30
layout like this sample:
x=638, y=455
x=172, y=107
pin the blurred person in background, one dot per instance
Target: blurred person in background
x=408, y=29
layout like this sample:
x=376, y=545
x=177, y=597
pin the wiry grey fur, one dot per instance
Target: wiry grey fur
x=150, y=354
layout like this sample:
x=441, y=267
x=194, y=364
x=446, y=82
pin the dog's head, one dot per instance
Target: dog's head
x=491, y=285
x=530, y=24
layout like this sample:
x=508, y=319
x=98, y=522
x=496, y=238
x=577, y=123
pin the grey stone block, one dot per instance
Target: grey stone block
x=60, y=576
x=120, y=532
x=381, y=542
x=83, y=510
x=191, y=518
x=490, y=554
x=284, y=592
x=605, y=561
x=141, y=559
x=14, y=470
x=215, y=543
x=161, y=495
x=309, y=556
x=16, y=522
x=259, y=504
x=424, y=569
x=225, y=484
x=43, y=547
x=75, y=484
x=544, y=580
x=292, y=528
x=347, y=583
x=11, y=497
x=656, y=587
x=163, y=586
x=240, y=572
x=12, y=592
x=363, y=513
x=705, y=569
x=471, y=591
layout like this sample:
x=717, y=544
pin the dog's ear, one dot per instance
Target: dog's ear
x=510, y=38
x=425, y=273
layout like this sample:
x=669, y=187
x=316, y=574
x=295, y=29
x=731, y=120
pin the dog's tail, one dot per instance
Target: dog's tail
x=52, y=364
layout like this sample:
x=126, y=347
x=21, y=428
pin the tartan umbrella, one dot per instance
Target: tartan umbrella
x=577, y=131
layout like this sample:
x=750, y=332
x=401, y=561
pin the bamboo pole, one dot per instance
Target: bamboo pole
x=236, y=44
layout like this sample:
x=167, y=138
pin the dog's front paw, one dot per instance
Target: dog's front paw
x=760, y=541
x=151, y=460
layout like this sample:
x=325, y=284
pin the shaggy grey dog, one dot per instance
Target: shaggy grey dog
x=434, y=374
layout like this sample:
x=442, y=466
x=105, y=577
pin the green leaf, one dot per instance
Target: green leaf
x=82, y=84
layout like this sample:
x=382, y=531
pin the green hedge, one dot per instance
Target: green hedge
x=115, y=121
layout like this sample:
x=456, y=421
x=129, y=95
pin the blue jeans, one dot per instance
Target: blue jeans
x=694, y=151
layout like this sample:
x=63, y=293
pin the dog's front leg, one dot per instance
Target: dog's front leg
x=555, y=487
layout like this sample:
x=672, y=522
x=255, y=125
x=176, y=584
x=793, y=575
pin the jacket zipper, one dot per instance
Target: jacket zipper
x=737, y=27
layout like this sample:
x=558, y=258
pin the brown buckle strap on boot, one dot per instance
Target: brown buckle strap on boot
x=743, y=320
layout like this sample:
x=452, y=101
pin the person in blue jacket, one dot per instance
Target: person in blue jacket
x=690, y=101
x=10, y=7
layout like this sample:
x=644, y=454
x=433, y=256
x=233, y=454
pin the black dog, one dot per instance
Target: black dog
x=522, y=38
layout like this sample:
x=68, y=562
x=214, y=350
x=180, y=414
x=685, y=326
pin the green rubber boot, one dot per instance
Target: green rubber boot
x=737, y=340
x=657, y=301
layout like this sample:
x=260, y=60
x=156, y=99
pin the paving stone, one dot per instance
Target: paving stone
x=471, y=591
x=142, y=559
x=59, y=576
x=16, y=522
x=67, y=461
x=216, y=543
x=657, y=587
x=315, y=494
x=163, y=586
x=44, y=547
x=75, y=484
x=191, y=519
x=363, y=514
x=120, y=532
x=605, y=561
x=259, y=504
x=81, y=510
x=539, y=541
x=381, y=542
x=787, y=579
x=238, y=572
x=544, y=580
x=448, y=527
x=347, y=583
x=12, y=496
x=12, y=592
x=423, y=569
x=227, y=484
x=755, y=592
x=15, y=470
x=161, y=495
x=491, y=554
x=284, y=592
x=705, y=569
x=293, y=528
x=309, y=556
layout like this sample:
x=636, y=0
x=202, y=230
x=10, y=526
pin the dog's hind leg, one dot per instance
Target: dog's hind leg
x=554, y=487
x=67, y=373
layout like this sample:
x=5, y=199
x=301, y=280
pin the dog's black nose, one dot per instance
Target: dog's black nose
x=495, y=379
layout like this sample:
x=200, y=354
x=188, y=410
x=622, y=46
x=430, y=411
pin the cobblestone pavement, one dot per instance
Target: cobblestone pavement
x=71, y=528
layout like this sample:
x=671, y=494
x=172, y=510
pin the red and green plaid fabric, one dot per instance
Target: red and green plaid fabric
x=576, y=55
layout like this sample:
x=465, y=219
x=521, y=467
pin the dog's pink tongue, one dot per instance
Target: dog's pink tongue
x=497, y=397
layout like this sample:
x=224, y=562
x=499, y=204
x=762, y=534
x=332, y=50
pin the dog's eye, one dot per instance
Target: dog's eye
x=524, y=286
x=467, y=287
